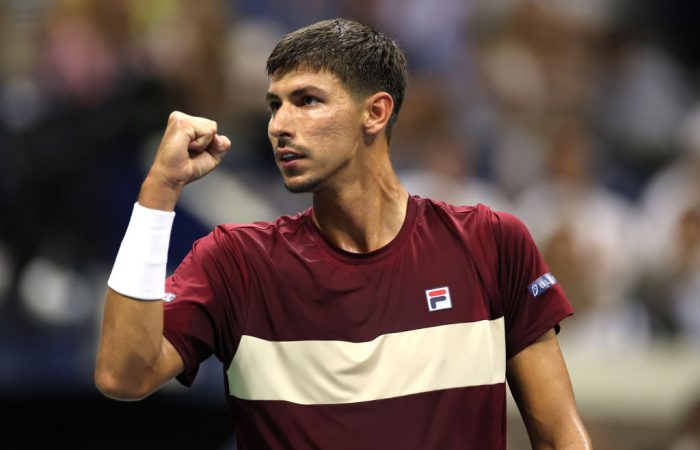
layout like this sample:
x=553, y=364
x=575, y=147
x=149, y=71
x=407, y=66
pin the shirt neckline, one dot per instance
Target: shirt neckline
x=364, y=258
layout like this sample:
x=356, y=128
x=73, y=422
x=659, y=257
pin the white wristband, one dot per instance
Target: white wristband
x=140, y=267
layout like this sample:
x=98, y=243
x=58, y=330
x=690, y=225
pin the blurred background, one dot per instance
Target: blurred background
x=580, y=116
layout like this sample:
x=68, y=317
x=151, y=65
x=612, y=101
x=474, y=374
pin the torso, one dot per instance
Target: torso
x=404, y=347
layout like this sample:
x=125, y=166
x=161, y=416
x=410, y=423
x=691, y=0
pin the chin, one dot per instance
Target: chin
x=302, y=186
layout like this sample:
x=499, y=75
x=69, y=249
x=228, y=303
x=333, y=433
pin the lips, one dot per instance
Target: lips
x=286, y=155
x=288, y=158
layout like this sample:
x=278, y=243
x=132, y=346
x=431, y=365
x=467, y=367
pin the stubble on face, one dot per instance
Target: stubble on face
x=303, y=186
x=300, y=188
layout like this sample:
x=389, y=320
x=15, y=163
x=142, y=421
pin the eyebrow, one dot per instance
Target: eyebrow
x=308, y=89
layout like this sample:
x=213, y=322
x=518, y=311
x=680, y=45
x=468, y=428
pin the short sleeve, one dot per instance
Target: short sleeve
x=200, y=304
x=533, y=301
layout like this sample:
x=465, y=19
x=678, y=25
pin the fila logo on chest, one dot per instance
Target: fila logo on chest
x=438, y=298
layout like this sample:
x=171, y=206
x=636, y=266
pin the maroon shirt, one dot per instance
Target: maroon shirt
x=403, y=347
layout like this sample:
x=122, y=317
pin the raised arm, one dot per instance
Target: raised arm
x=133, y=357
x=540, y=384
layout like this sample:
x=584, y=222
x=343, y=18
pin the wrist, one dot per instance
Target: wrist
x=157, y=192
x=140, y=267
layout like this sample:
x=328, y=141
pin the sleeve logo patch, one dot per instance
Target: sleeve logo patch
x=169, y=297
x=542, y=284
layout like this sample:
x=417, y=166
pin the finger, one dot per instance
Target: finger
x=219, y=146
x=220, y=142
x=194, y=132
x=204, y=126
x=201, y=142
x=203, y=132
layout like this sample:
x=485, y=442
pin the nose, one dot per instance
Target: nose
x=280, y=123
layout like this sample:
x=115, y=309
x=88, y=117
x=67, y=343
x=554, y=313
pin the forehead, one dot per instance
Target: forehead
x=305, y=78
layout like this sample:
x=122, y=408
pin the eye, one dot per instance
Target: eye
x=274, y=105
x=309, y=100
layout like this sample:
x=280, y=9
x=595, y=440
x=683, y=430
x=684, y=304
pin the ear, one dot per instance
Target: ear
x=378, y=109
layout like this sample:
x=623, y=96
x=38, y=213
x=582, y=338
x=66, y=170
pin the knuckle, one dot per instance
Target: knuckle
x=174, y=116
x=178, y=120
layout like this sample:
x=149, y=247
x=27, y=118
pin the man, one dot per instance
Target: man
x=375, y=319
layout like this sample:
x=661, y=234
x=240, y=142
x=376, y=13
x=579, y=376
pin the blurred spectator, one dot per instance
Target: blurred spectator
x=79, y=64
x=669, y=284
x=444, y=171
x=642, y=95
x=535, y=63
x=70, y=166
x=430, y=32
x=675, y=187
x=181, y=43
x=582, y=228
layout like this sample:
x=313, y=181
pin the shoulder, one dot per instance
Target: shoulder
x=428, y=207
x=479, y=225
x=479, y=215
x=255, y=233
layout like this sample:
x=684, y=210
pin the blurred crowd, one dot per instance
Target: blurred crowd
x=581, y=117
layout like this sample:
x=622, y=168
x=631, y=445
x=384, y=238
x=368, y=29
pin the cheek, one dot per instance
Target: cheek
x=269, y=129
x=336, y=130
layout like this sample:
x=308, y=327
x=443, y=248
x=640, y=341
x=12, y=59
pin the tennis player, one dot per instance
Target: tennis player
x=375, y=319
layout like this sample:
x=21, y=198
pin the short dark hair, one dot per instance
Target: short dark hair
x=364, y=59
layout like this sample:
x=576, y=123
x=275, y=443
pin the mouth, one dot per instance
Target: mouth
x=288, y=157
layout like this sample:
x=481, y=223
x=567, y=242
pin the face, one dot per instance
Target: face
x=315, y=129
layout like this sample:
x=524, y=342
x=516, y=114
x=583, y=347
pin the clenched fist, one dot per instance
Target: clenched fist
x=190, y=149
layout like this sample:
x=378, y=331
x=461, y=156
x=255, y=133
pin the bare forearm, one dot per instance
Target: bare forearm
x=541, y=387
x=568, y=434
x=131, y=338
x=130, y=345
x=557, y=428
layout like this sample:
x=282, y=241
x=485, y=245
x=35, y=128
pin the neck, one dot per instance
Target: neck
x=364, y=214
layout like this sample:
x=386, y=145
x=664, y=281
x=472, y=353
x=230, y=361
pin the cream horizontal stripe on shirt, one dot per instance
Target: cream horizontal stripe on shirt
x=314, y=372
